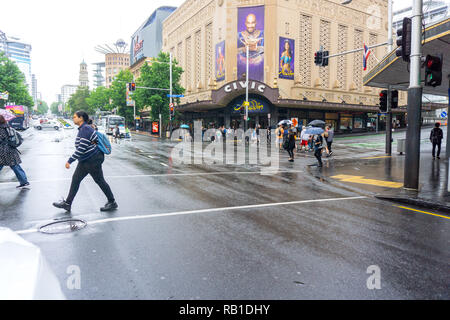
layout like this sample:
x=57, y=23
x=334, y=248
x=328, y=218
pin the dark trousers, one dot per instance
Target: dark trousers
x=329, y=143
x=438, y=144
x=318, y=155
x=291, y=152
x=92, y=166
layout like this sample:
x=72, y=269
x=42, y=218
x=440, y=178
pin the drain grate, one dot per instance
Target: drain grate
x=64, y=226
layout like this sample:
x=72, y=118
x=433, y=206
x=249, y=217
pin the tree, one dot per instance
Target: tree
x=117, y=92
x=78, y=101
x=157, y=75
x=42, y=107
x=99, y=99
x=54, y=108
x=13, y=81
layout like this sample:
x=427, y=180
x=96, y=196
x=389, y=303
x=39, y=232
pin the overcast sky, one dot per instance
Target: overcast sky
x=64, y=32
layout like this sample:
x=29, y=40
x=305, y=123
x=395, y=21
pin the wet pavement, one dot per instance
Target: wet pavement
x=228, y=231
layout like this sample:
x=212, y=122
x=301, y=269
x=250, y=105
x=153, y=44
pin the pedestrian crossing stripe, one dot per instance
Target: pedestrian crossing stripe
x=379, y=157
x=373, y=182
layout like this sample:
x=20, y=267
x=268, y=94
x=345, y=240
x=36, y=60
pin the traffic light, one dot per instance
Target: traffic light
x=318, y=58
x=404, y=40
x=383, y=100
x=131, y=86
x=325, y=60
x=394, y=99
x=172, y=111
x=433, y=70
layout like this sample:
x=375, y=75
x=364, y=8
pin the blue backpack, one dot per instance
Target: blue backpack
x=103, y=143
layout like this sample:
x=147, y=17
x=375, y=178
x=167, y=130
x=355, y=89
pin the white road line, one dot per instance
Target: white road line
x=151, y=157
x=165, y=165
x=262, y=173
x=179, y=213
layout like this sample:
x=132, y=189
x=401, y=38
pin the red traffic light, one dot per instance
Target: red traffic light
x=433, y=62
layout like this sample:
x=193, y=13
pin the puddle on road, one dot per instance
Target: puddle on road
x=64, y=226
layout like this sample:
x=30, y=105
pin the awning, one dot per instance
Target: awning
x=392, y=70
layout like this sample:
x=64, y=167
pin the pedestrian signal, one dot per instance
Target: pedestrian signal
x=433, y=70
x=394, y=99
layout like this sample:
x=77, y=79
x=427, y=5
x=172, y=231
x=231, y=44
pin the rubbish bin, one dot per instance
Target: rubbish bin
x=401, y=145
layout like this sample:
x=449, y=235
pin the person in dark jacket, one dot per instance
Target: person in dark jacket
x=10, y=156
x=436, y=137
x=290, y=144
x=318, y=146
x=90, y=160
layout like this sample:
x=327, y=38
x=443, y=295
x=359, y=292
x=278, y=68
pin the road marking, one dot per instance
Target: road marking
x=179, y=213
x=433, y=214
x=164, y=164
x=262, y=173
x=151, y=157
x=380, y=157
x=373, y=182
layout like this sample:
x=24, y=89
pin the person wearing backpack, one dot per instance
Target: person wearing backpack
x=9, y=155
x=436, y=137
x=90, y=158
x=318, y=146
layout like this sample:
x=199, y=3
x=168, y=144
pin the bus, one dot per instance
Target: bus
x=21, y=121
x=110, y=122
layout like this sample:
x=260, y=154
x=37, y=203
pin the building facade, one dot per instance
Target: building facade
x=99, y=74
x=147, y=40
x=114, y=63
x=19, y=52
x=208, y=38
x=84, y=76
x=66, y=92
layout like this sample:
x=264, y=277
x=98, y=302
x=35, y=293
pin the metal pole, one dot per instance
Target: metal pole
x=412, y=157
x=447, y=146
x=389, y=97
x=246, y=92
x=171, y=99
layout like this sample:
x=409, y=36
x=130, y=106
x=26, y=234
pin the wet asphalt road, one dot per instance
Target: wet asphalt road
x=201, y=232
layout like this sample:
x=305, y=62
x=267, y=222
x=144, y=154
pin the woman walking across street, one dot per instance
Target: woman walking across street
x=90, y=160
x=290, y=144
x=318, y=146
x=9, y=156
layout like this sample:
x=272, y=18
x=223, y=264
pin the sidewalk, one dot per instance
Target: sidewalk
x=144, y=133
x=383, y=177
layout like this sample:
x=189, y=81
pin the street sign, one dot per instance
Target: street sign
x=175, y=96
x=443, y=114
x=4, y=95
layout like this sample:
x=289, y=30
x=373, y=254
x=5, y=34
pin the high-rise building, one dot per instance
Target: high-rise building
x=433, y=11
x=19, y=52
x=114, y=63
x=66, y=92
x=34, y=88
x=99, y=77
x=84, y=77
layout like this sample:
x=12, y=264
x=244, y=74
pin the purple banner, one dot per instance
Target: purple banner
x=220, y=61
x=251, y=34
x=287, y=49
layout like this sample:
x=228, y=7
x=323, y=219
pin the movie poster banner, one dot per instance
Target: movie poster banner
x=251, y=34
x=287, y=49
x=220, y=61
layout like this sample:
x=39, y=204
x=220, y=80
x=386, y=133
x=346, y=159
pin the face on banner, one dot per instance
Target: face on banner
x=287, y=49
x=220, y=61
x=251, y=34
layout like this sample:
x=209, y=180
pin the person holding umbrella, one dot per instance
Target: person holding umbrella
x=290, y=144
x=9, y=156
x=317, y=142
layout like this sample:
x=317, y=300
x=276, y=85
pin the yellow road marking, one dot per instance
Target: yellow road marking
x=379, y=157
x=373, y=182
x=433, y=214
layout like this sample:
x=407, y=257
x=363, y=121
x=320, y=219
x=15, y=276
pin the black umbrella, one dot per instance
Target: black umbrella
x=317, y=123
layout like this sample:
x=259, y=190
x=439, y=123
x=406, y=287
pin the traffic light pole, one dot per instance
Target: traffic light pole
x=171, y=98
x=389, y=97
x=412, y=157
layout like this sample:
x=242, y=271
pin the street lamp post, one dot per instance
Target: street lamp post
x=246, y=92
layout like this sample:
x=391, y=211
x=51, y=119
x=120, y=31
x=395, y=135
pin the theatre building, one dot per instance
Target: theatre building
x=209, y=39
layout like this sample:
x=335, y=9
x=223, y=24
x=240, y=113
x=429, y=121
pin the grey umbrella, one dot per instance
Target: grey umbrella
x=317, y=123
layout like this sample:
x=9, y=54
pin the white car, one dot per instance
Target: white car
x=49, y=124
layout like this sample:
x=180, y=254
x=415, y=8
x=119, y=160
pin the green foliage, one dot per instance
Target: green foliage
x=99, y=99
x=54, y=108
x=42, y=107
x=13, y=81
x=157, y=75
x=78, y=101
x=117, y=93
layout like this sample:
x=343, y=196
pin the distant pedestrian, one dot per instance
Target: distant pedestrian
x=9, y=156
x=436, y=137
x=279, y=134
x=90, y=160
x=318, y=146
x=304, y=139
x=290, y=144
x=329, y=140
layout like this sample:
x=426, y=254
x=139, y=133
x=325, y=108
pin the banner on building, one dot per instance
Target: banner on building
x=256, y=105
x=251, y=34
x=287, y=51
x=220, y=61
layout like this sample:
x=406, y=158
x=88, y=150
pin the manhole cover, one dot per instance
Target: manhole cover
x=64, y=226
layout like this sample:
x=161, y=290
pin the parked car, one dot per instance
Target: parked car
x=49, y=124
